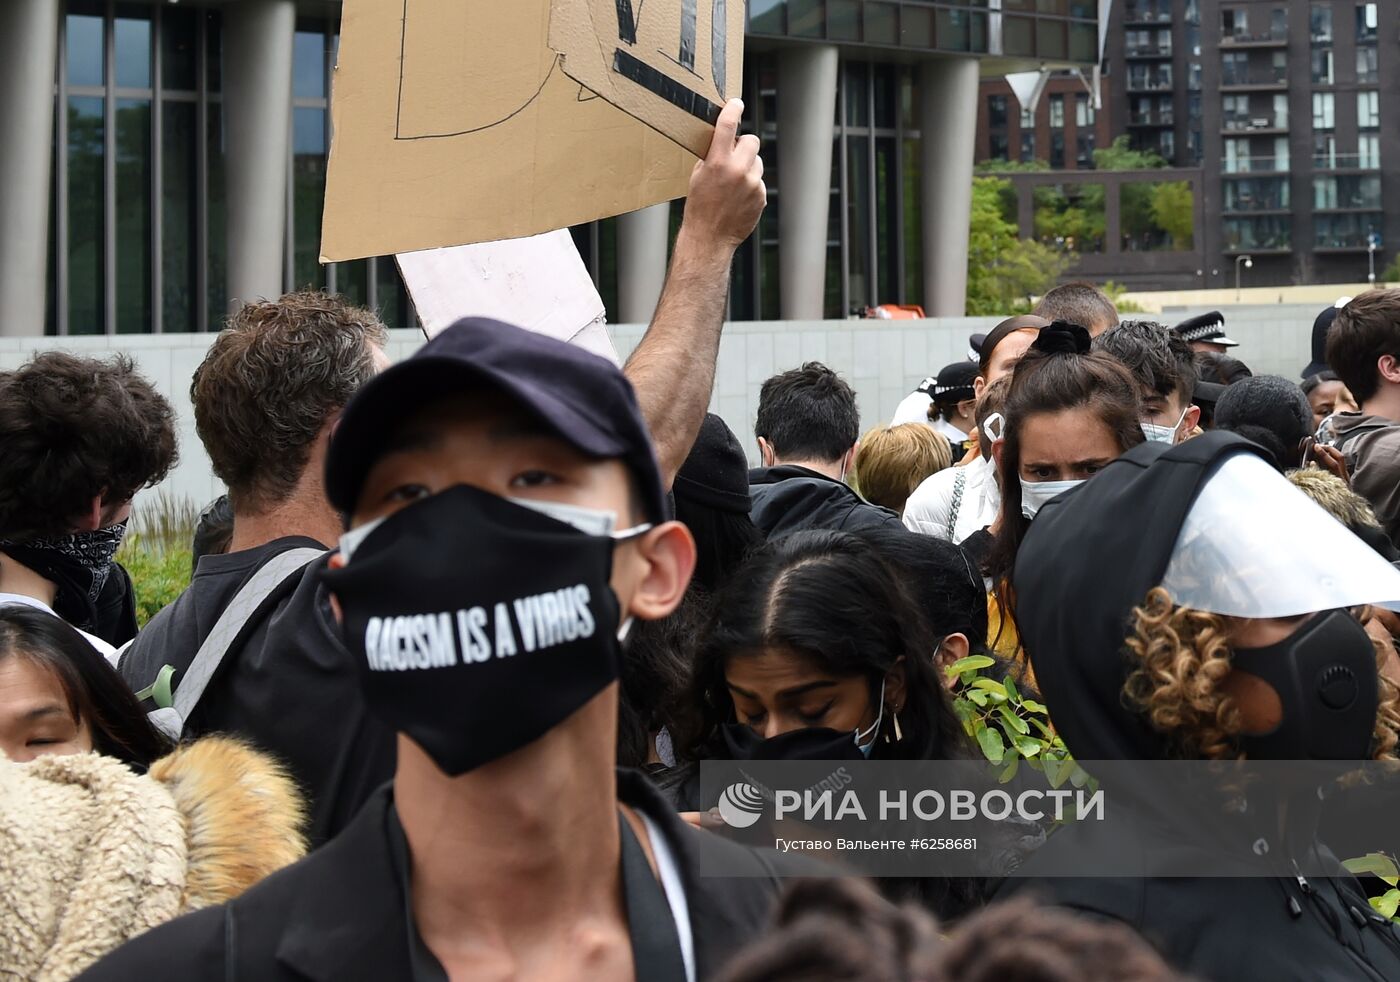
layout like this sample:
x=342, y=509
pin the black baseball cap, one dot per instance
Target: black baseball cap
x=954, y=382
x=584, y=399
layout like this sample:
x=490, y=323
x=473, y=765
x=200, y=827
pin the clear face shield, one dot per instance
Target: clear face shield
x=1255, y=546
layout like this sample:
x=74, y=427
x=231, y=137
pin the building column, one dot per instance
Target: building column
x=28, y=61
x=806, y=117
x=948, y=88
x=643, y=240
x=257, y=127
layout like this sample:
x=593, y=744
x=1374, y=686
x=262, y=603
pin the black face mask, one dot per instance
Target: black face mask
x=808, y=743
x=1326, y=679
x=478, y=625
x=77, y=564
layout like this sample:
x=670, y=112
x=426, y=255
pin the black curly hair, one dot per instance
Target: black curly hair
x=74, y=429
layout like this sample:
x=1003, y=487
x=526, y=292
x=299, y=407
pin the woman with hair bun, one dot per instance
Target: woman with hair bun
x=1069, y=412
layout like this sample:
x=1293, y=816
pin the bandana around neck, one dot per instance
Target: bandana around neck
x=78, y=563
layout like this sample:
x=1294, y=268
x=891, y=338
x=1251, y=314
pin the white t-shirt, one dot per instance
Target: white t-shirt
x=103, y=648
x=955, y=436
x=929, y=509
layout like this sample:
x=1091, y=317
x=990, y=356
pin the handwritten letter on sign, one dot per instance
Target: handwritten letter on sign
x=670, y=63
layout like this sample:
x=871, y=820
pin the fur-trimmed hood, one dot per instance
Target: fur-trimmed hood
x=92, y=854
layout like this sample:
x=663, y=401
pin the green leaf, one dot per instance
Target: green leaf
x=993, y=747
x=990, y=685
x=1011, y=689
x=969, y=664
x=1377, y=864
x=1079, y=776
x=1387, y=903
x=1035, y=707
x=1009, y=771
x=1058, y=772
x=1028, y=746
x=979, y=697
x=1012, y=720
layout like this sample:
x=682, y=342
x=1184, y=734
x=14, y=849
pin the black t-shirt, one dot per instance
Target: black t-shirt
x=289, y=685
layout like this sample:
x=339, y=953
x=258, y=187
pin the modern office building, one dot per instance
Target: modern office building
x=159, y=160
x=1272, y=111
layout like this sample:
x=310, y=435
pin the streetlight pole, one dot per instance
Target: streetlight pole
x=1248, y=264
x=1371, y=243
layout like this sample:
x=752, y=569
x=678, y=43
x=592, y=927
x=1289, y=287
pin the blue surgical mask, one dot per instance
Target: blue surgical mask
x=1034, y=495
x=1157, y=433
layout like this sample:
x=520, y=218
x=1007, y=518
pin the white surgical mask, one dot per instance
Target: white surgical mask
x=1156, y=433
x=1034, y=495
x=590, y=521
x=865, y=739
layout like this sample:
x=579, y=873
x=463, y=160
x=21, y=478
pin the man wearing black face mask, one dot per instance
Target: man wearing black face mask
x=78, y=438
x=507, y=524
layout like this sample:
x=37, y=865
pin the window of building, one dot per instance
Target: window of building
x=1368, y=109
x=1257, y=234
x=1324, y=151
x=1083, y=111
x=996, y=111
x=1350, y=192
x=1324, y=106
x=1084, y=149
x=1027, y=145
x=1256, y=194
x=1234, y=68
x=1167, y=145
x=1193, y=76
x=1234, y=23
x=1320, y=23
x=1057, y=112
x=1368, y=151
x=1345, y=231
x=1278, y=24
x=1322, y=66
x=1057, y=150
x=999, y=149
x=1366, y=22
x=1367, y=66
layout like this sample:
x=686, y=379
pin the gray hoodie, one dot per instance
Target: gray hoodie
x=1371, y=446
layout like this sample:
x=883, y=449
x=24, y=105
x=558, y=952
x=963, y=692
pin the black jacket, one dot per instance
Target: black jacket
x=1078, y=575
x=339, y=914
x=789, y=498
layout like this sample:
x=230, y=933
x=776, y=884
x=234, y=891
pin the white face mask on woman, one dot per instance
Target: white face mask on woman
x=1034, y=495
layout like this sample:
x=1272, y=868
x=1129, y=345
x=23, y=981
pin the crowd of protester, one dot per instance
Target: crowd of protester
x=464, y=628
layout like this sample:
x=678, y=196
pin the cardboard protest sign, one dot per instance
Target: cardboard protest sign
x=671, y=63
x=538, y=282
x=455, y=123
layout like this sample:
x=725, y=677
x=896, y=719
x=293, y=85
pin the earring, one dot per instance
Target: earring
x=898, y=736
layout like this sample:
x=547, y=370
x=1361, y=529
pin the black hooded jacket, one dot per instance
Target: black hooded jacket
x=1091, y=556
x=790, y=498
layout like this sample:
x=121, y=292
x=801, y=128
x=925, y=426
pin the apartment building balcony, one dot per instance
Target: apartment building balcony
x=1345, y=232
x=1346, y=161
x=1254, y=124
x=1254, y=165
x=1272, y=79
x=1148, y=14
x=1152, y=121
x=1269, y=234
x=1147, y=52
x=1257, y=39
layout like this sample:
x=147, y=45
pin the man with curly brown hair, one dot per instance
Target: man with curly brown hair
x=78, y=438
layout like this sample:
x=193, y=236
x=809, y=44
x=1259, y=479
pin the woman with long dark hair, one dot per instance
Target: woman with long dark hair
x=59, y=696
x=1069, y=413
x=814, y=650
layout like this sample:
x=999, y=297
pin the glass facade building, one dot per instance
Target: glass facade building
x=138, y=202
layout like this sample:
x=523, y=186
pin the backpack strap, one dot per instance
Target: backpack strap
x=210, y=657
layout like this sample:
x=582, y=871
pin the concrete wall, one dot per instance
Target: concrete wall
x=882, y=359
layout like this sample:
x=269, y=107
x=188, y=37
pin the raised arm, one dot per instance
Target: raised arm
x=673, y=368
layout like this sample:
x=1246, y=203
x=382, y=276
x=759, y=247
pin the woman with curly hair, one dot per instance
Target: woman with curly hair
x=1171, y=615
